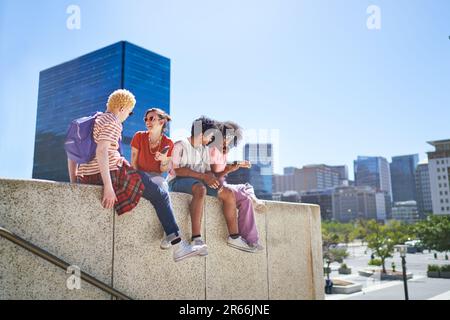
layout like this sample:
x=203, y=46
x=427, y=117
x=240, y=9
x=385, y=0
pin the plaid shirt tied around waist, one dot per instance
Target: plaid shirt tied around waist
x=127, y=185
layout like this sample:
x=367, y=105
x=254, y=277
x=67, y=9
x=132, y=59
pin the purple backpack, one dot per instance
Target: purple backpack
x=79, y=144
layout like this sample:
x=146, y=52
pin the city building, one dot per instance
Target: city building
x=81, y=87
x=423, y=190
x=290, y=196
x=323, y=198
x=260, y=174
x=439, y=170
x=352, y=203
x=373, y=172
x=403, y=169
x=343, y=174
x=310, y=177
x=405, y=211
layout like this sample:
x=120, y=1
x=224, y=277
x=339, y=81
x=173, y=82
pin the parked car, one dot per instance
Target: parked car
x=414, y=246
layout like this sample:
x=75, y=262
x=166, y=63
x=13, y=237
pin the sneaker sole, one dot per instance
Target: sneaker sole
x=191, y=254
x=242, y=249
x=165, y=248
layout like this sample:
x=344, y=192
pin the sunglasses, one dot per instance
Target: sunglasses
x=151, y=118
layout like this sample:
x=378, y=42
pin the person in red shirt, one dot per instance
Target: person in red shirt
x=151, y=150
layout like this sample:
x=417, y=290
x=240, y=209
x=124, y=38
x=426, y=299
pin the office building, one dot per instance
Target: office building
x=81, y=87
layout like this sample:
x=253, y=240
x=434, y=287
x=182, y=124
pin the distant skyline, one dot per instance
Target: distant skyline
x=311, y=70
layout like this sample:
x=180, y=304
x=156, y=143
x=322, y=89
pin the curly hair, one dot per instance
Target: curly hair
x=233, y=129
x=121, y=98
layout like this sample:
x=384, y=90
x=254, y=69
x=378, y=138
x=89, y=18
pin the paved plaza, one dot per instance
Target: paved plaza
x=420, y=287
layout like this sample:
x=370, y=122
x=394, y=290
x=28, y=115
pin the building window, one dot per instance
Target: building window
x=438, y=170
x=443, y=208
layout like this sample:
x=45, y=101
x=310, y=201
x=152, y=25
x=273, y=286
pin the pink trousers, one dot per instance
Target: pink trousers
x=246, y=213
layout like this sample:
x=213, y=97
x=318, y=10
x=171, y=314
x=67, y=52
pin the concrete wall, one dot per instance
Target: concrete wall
x=69, y=222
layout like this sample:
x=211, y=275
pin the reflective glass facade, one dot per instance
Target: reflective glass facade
x=82, y=86
x=261, y=172
x=373, y=172
x=403, y=180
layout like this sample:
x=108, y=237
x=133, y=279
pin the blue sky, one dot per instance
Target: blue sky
x=311, y=69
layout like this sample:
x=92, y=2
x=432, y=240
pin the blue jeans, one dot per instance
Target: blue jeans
x=160, y=199
x=184, y=185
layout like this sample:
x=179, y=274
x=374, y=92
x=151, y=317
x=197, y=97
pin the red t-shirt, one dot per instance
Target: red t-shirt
x=145, y=160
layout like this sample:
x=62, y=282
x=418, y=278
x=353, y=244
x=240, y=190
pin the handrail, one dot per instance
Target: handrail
x=60, y=263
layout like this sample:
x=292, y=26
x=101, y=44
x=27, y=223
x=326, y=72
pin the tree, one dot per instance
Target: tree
x=383, y=238
x=334, y=255
x=434, y=233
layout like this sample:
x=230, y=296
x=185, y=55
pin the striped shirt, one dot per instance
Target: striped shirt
x=107, y=127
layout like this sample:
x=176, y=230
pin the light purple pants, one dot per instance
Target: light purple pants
x=246, y=213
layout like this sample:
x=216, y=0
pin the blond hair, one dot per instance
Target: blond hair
x=120, y=98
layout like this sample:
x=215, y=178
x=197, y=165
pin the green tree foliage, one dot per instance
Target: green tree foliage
x=382, y=239
x=434, y=233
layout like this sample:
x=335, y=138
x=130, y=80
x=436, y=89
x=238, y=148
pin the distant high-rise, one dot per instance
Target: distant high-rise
x=323, y=198
x=343, y=173
x=261, y=172
x=81, y=87
x=403, y=169
x=310, y=177
x=439, y=170
x=405, y=211
x=373, y=172
x=351, y=203
x=423, y=190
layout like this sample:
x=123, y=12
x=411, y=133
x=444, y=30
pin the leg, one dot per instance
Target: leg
x=246, y=218
x=229, y=209
x=160, y=199
x=196, y=207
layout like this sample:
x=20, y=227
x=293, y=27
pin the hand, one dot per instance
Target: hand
x=211, y=180
x=161, y=157
x=109, y=198
x=245, y=164
x=126, y=163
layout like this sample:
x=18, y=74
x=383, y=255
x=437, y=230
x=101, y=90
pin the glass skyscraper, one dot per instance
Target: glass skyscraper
x=373, y=172
x=81, y=86
x=261, y=172
x=403, y=169
x=423, y=189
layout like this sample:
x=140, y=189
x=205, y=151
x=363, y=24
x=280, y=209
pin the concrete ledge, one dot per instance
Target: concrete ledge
x=68, y=221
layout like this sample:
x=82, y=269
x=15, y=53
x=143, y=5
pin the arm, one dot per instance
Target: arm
x=228, y=168
x=207, y=177
x=72, y=166
x=109, y=196
x=134, y=157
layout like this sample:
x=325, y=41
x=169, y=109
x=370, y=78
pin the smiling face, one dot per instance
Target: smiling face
x=153, y=121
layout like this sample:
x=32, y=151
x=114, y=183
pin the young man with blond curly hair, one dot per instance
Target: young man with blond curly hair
x=122, y=185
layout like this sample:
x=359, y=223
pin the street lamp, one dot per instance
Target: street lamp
x=402, y=249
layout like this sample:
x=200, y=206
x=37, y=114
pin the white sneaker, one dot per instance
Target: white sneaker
x=183, y=250
x=257, y=246
x=240, y=244
x=165, y=244
x=201, y=247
